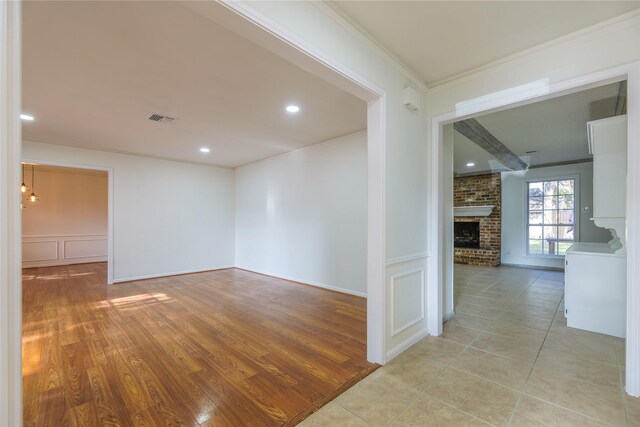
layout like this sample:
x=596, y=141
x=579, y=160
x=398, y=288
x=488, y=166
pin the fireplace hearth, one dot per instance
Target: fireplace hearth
x=466, y=234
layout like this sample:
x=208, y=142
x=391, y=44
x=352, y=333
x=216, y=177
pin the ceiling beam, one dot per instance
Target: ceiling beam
x=621, y=101
x=475, y=132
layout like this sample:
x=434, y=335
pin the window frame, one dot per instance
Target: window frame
x=576, y=212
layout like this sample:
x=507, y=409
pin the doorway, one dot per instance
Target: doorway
x=65, y=215
x=442, y=215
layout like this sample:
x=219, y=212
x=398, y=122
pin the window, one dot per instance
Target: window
x=550, y=216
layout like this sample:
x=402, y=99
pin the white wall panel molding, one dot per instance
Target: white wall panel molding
x=407, y=258
x=406, y=302
x=40, y=251
x=46, y=251
x=406, y=309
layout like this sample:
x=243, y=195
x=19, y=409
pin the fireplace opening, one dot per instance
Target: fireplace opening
x=466, y=234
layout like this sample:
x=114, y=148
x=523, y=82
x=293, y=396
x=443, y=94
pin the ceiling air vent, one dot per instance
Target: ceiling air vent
x=155, y=117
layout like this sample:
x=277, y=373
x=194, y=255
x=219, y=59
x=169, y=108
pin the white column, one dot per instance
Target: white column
x=632, y=383
x=10, y=221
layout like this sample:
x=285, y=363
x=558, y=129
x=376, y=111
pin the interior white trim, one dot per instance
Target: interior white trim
x=10, y=215
x=407, y=258
x=60, y=253
x=109, y=170
x=633, y=232
x=307, y=282
x=56, y=250
x=56, y=236
x=396, y=329
x=288, y=37
x=631, y=72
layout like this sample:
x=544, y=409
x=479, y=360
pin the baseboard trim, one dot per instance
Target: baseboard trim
x=169, y=274
x=395, y=351
x=307, y=283
x=61, y=262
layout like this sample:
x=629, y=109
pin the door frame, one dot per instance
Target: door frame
x=109, y=172
x=528, y=94
x=308, y=57
x=10, y=215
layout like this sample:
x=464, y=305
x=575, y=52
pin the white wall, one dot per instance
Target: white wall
x=69, y=223
x=302, y=215
x=168, y=217
x=406, y=157
x=514, y=212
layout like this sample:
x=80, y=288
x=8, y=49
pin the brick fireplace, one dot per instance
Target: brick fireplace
x=478, y=190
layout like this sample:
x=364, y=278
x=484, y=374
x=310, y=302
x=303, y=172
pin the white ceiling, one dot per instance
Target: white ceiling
x=556, y=129
x=93, y=71
x=439, y=40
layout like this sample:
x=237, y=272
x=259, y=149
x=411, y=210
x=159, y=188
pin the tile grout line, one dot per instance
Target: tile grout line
x=421, y=392
x=515, y=409
x=544, y=339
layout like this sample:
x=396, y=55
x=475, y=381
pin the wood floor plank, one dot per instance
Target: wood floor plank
x=221, y=348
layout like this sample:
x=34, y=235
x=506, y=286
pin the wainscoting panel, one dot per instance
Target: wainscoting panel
x=406, y=302
x=407, y=293
x=45, y=251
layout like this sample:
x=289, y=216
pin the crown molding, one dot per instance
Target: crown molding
x=600, y=29
x=350, y=25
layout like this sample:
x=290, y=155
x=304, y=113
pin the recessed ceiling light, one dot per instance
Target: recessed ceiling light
x=205, y=150
x=470, y=164
x=27, y=117
x=292, y=108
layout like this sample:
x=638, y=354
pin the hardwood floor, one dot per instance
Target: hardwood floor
x=221, y=348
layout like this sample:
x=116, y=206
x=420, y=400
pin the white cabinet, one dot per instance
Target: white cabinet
x=596, y=289
x=596, y=273
x=608, y=144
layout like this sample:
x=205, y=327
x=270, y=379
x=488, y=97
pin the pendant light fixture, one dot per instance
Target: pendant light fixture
x=23, y=186
x=33, y=198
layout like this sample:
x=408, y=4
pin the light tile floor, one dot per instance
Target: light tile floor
x=506, y=359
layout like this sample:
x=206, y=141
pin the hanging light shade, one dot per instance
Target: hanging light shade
x=33, y=198
x=23, y=186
